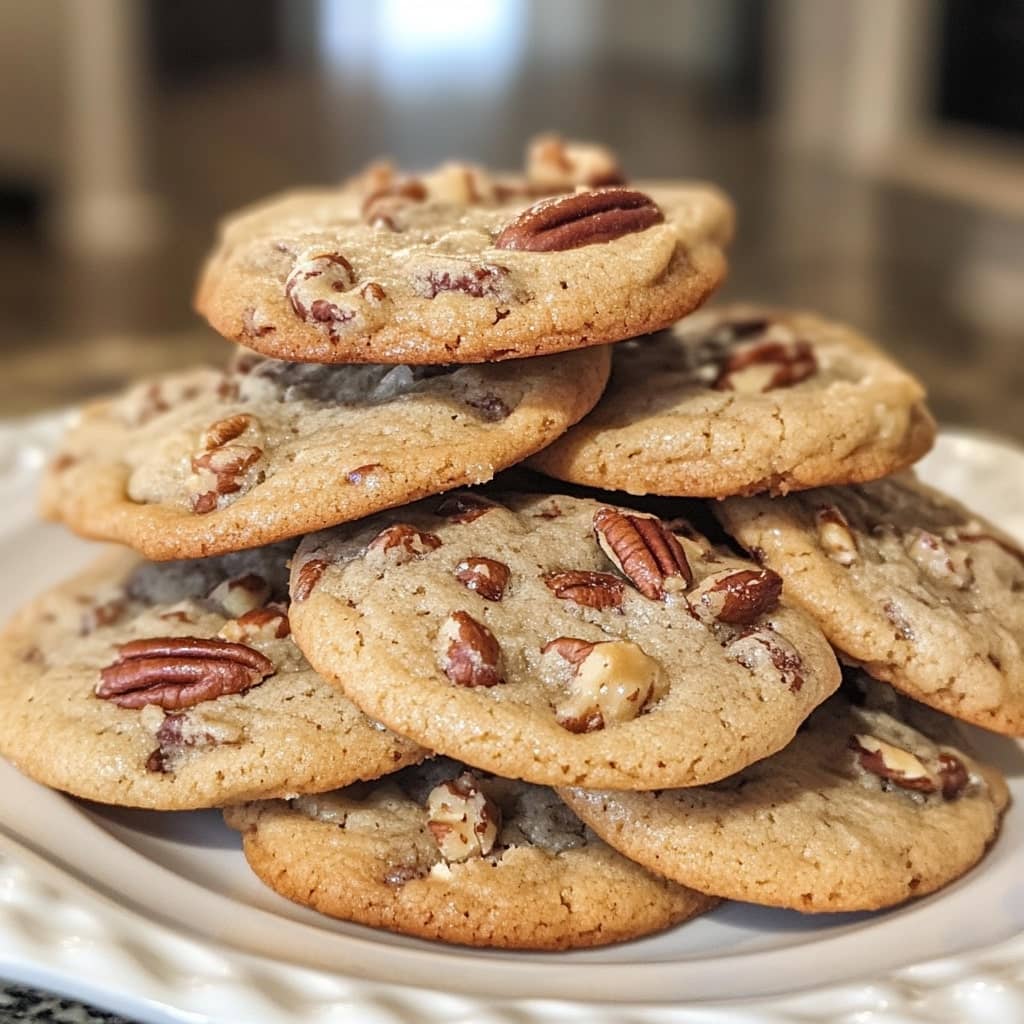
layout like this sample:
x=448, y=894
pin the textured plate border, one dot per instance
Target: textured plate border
x=58, y=933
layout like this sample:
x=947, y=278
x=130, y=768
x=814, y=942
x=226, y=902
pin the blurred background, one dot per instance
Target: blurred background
x=875, y=149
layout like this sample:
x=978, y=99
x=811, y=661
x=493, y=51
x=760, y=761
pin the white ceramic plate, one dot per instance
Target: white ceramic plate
x=157, y=916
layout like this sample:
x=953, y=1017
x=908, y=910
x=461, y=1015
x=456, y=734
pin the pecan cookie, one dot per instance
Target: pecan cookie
x=559, y=640
x=906, y=581
x=177, y=685
x=457, y=266
x=741, y=400
x=873, y=803
x=203, y=462
x=442, y=852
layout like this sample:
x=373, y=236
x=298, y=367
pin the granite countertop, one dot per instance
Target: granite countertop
x=22, y=1004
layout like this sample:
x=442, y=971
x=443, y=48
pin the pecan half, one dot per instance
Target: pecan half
x=484, y=576
x=401, y=543
x=737, y=597
x=762, y=366
x=178, y=672
x=569, y=222
x=592, y=589
x=308, y=577
x=643, y=549
x=464, y=508
x=470, y=654
x=892, y=763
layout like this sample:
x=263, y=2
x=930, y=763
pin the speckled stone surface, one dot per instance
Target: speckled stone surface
x=24, y=1004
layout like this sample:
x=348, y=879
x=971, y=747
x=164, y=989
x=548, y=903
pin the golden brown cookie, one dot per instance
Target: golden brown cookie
x=177, y=685
x=202, y=462
x=908, y=582
x=745, y=399
x=873, y=803
x=457, y=266
x=559, y=640
x=440, y=852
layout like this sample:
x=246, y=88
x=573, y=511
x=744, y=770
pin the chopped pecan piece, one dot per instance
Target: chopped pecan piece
x=932, y=555
x=381, y=205
x=764, y=365
x=464, y=508
x=592, y=589
x=953, y=776
x=555, y=165
x=643, y=549
x=457, y=276
x=892, y=763
x=585, y=218
x=485, y=576
x=470, y=654
x=308, y=577
x=462, y=819
x=835, y=535
x=177, y=672
x=104, y=614
x=491, y=408
x=228, y=429
x=736, y=596
x=259, y=624
x=361, y=473
x=241, y=594
x=569, y=648
x=611, y=683
x=401, y=543
x=313, y=285
x=756, y=648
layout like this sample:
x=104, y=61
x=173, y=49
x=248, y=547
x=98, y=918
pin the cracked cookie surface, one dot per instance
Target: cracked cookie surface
x=176, y=745
x=741, y=400
x=531, y=877
x=559, y=640
x=202, y=462
x=906, y=581
x=458, y=266
x=873, y=803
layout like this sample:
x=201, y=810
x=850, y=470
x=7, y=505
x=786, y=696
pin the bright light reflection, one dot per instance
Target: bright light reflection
x=406, y=45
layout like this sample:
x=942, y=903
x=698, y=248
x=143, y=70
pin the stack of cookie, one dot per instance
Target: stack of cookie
x=530, y=714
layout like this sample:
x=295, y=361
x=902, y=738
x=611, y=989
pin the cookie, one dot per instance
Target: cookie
x=440, y=852
x=873, y=803
x=457, y=266
x=559, y=640
x=176, y=685
x=907, y=582
x=204, y=462
x=741, y=400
